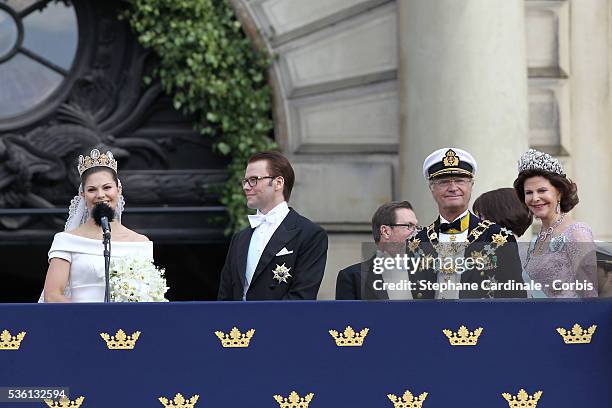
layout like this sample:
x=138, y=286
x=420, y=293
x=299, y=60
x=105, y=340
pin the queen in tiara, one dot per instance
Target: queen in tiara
x=562, y=256
x=76, y=261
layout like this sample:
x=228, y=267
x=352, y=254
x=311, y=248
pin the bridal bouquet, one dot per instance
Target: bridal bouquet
x=136, y=280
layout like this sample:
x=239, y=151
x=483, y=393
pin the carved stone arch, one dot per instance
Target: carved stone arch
x=279, y=109
x=336, y=99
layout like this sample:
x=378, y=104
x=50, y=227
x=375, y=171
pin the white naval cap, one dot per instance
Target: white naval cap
x=449, y=160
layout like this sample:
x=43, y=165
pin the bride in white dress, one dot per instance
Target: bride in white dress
x=76, y=261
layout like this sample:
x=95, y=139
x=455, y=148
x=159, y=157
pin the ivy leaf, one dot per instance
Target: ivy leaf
x=223, y=148
x=211, y=70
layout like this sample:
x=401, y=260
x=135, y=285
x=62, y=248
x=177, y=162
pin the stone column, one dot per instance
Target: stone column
x=591, y=142
x=463, y=83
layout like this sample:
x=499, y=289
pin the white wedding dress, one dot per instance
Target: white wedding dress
x=86, y=257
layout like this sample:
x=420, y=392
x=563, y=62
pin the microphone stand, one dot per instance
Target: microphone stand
x=107, y=250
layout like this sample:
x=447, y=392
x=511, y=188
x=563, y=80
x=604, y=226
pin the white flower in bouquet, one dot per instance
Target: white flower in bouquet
x=136, y=280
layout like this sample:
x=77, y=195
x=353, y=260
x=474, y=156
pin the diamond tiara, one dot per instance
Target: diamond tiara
x=535, y=160
x=96, y=159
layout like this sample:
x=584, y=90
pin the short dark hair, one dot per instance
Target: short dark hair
x=278, y=165
x=503, y=207
x=385, y=215
x=97, y=169
x=567, y=188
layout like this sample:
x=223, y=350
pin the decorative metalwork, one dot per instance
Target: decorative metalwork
x=102, y=105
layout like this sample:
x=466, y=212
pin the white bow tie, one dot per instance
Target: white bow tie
x=258, y=219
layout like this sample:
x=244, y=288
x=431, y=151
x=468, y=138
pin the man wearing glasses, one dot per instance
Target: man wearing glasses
x=282, y=255
x=463, y=256
x=392, y=224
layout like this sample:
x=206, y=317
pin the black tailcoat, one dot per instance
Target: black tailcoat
x=356, y=282
x=307, y=244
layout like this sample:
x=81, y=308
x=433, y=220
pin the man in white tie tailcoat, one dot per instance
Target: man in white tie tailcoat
x=282, y=255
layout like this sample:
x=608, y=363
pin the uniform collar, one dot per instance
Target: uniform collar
x=463, y=214
x=462, y=221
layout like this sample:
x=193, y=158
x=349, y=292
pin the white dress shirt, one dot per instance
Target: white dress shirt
x=455, y=277
x=261, y=236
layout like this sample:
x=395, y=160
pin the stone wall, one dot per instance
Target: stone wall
x=337, y=82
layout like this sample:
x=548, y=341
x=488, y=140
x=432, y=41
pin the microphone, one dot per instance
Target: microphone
x=103, y=214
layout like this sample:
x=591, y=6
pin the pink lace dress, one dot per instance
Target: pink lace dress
x=567, y=267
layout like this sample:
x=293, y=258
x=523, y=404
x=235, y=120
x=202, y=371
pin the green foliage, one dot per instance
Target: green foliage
x=212, y=72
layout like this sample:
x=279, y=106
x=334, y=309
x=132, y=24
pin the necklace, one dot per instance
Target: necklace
x=544, y=234
x=548, y=233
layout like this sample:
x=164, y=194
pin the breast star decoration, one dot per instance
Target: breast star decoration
x=281, y=273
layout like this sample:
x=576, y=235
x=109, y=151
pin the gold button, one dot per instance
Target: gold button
x=481, y=273
x=419, y=295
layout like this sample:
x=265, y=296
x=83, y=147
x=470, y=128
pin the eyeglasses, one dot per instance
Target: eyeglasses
x=445, y=182
x=409, y=226
x=253, y=180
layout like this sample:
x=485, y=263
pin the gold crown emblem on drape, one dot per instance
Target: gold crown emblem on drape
x=463, y=337
x=235, y=338
x=64, y=402
x=96, y=159
x=522, y=399
x=10, y=342
x=179, y=401
x=294, y=400
x=577, y=335
x=120, y=341
x=407, y=400
x=349, y=338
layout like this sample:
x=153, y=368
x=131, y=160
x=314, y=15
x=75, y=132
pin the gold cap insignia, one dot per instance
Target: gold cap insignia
x=179, y=401
x=9, y=342
x=577, y=335
x=96, y=159
x=120, y=341
x=463, y=337
x=235, y=338
x=349, y=337
x=294, y=400
x=522, y=399
x=450, y=159
x=65, y=403
x=407, y=400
